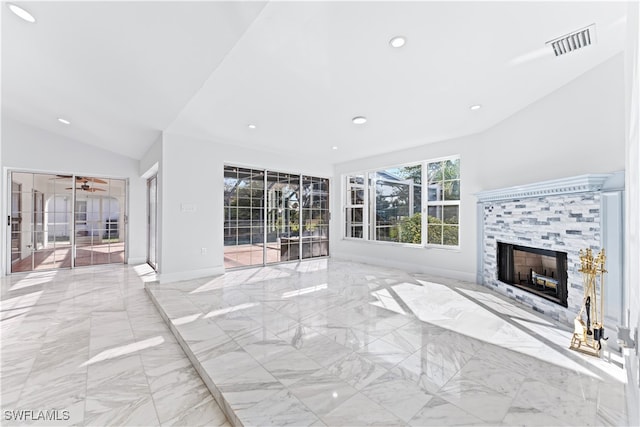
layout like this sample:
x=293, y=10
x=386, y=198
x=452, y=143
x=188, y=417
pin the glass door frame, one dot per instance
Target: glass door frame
x=14, y=221
x=72, y=241
x=152, y=213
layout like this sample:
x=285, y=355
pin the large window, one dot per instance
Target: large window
x=388, y=204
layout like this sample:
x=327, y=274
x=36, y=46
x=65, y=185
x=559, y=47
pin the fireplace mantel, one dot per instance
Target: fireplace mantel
x=571, y=185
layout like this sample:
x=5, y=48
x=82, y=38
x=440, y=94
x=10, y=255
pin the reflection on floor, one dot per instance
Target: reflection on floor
x=333, y=343
x=246, y=255
x=90, y=342
x=60, y=257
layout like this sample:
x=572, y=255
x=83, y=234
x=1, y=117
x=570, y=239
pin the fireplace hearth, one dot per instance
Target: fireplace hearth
x=538, y=271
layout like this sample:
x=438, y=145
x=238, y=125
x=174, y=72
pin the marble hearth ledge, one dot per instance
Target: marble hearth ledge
x=570, y=185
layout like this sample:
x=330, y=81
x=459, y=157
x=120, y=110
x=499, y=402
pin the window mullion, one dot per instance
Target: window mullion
x=424, y=204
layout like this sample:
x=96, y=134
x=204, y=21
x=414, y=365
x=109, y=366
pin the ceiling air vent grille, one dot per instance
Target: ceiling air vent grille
x=574, y=40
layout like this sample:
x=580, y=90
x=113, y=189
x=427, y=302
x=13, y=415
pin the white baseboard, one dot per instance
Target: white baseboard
x=136, y=260
x=190, y=274
x=408, y=267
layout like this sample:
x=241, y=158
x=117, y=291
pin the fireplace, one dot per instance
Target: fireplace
x=559, y=217
x=538, y=271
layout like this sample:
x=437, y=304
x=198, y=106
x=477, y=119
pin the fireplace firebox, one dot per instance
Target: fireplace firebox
x=539, y=271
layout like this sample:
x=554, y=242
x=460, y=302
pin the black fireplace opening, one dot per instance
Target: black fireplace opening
x=539, y=271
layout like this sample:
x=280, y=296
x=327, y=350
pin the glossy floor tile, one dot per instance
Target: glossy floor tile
x=334, y=343
x=87, y=347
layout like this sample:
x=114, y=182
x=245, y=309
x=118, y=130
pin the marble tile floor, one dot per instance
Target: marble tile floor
x=335, y=343
x=90, y=342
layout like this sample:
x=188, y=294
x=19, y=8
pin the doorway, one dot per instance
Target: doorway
x=63, y=221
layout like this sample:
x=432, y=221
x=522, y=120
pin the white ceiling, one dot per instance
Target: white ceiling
x=122, y=72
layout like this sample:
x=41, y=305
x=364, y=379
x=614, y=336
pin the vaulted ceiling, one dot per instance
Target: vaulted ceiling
x=123, y=72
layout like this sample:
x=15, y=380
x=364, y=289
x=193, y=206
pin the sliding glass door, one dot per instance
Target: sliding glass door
x=315, y=217
x=40, y=222
x=243, y=217
x=272, y=217
x=283, y=216
x=99, y=221
x=59, y=221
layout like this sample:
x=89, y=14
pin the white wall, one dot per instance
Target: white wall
x=576, y=130
x=32, y=149
x=192, y=193
x=152, y=159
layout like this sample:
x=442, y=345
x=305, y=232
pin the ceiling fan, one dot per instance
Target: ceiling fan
x=84, y=183
x=86, y=187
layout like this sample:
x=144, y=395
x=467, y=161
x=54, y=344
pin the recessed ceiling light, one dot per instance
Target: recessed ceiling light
x=251, y=126
x=475, y=107
x=21, y=13
x=359, y=120
x=397, y=41
x=64, y=121
x=334, y=148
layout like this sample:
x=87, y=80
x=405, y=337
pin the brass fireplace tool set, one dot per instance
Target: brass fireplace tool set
x=587, y=336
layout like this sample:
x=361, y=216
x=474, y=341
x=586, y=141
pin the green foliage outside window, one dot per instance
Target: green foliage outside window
x=438, y=232
x=411, y=229
x=442, y=232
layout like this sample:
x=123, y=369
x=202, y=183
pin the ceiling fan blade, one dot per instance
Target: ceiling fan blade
x=82, y=179
x=86, y=179
x=90, y=189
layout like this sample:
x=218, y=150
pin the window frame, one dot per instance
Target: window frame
x=370, y=191
x=442, y=203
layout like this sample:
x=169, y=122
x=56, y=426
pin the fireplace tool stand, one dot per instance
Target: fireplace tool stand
x=587, y=336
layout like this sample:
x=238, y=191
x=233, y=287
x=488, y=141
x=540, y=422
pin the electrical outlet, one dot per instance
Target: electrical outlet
x=203, y=251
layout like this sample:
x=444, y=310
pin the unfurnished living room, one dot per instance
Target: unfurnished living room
x=326, y=213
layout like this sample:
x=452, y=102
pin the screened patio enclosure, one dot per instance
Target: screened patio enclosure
x=272, y=217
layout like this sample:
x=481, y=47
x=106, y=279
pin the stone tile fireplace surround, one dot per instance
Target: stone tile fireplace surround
x=563, y=215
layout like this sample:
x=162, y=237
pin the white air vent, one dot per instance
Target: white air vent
x=574, y=40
